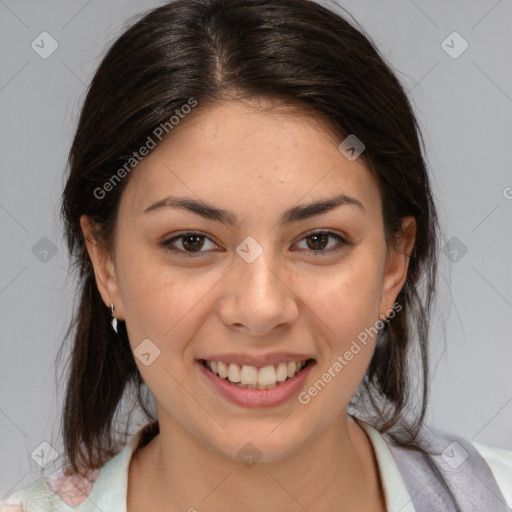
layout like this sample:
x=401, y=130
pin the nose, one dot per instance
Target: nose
x=258, y=297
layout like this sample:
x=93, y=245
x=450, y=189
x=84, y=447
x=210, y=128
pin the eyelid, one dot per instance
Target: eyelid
x=343, y=240
x=167, y=243
x=326, y=231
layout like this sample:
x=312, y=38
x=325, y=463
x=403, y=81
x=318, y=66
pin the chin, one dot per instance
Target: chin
x=261, y=441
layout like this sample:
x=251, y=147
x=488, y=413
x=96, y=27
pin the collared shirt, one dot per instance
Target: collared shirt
x=107, y=491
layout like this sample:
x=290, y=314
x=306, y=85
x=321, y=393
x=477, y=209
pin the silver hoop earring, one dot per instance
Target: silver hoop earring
x=114, y=318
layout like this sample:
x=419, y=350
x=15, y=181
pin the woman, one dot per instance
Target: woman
x=251, y=216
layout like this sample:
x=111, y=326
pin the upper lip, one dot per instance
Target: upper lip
x=257, y=361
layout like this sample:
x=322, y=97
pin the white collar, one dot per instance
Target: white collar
x=109, y=492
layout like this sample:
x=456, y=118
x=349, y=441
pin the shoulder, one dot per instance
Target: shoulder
x=53, y=493
x=467, y=469
x=500, y=462
x=60, y=492
x=35, y=496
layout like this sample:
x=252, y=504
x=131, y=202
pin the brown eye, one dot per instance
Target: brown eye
x=191, y=242
x=319, y=242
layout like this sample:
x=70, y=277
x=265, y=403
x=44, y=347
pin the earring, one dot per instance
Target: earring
x=114, y=318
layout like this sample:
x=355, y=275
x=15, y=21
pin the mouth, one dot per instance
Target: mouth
x=259, y=378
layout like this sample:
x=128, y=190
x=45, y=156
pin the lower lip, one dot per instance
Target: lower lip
x=258, y=397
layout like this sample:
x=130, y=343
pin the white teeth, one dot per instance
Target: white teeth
x=267, y=376
x=281, y=372
x=250, y=377
x=234, y=373
x=291, y=368
x=223, y=370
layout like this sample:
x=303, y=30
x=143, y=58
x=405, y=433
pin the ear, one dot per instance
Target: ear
x=397, y=264
x=104, y=270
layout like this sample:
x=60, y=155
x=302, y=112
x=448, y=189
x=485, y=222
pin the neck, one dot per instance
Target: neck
x=336, y=471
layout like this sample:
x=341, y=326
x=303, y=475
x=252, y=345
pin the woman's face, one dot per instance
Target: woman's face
x=254, y=286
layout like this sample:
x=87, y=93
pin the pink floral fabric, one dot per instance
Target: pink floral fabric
x=72, y=489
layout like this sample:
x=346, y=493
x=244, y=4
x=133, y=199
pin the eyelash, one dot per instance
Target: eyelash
x=168, y=244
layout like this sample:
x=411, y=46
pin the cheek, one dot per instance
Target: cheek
x=162, y=311
x=344, y=298
x=161, y=302
x=346, y=310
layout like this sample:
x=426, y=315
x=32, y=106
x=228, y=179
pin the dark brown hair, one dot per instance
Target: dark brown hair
x=296, y=51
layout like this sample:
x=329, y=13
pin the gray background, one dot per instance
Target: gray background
x=464, y=107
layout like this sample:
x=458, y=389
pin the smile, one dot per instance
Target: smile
x=246, y=376
x=253, y=386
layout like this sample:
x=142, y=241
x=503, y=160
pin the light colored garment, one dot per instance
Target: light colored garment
x=107, y=492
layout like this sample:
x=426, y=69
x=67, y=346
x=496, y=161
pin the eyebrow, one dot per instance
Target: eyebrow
x=294, y=214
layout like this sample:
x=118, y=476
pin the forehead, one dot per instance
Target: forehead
x=249, y=154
